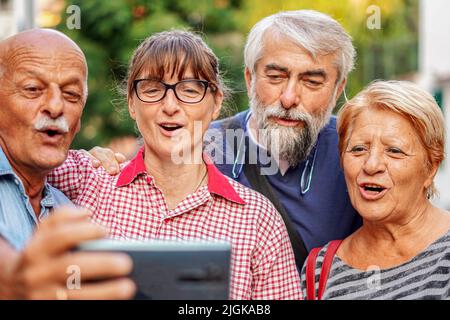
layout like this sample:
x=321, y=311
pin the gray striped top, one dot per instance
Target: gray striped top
x=426, y=276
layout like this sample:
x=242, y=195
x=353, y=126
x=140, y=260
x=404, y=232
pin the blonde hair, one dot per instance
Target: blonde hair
x=410, y=101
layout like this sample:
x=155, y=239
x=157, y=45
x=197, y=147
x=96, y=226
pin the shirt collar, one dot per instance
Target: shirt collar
x=47, y=198
x=134, y=168
x=6, y=169
x=217, y=182
x=5, y=166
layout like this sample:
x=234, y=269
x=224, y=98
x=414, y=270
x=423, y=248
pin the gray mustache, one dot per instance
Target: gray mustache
x=45, y=123
x=279, y=112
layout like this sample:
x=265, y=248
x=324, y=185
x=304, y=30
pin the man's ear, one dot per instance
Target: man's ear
x=340, y=88
x=78, y=127
x=248, y=80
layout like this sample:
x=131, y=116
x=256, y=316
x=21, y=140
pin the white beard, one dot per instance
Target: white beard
x=292, y=144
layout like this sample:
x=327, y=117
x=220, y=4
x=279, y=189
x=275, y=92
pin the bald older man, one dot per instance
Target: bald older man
x=43, y=90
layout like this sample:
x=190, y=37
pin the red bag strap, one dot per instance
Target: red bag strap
x=311, y=274
x=326, y=265
x=324, y=273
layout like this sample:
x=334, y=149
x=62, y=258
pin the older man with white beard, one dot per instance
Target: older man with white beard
x=296, y=65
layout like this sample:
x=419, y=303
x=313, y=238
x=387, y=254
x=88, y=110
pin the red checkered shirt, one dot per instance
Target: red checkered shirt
x=131, y=206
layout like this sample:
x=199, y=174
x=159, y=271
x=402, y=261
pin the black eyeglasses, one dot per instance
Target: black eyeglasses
x=187, y=91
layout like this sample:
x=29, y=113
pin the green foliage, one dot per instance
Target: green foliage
x=111, y=30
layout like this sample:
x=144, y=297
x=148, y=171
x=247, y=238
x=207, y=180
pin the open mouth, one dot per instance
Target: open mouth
x=51, y=132
x=373, y=188
x=372, y=191
x=287, y=122
x=170, y=127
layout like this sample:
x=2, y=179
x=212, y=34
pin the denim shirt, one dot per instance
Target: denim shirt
x=17, y=217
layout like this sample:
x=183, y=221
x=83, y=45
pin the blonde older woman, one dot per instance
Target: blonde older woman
x=391, y=141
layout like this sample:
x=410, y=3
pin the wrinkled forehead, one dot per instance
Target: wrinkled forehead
x=22, y=57
x=275, y=43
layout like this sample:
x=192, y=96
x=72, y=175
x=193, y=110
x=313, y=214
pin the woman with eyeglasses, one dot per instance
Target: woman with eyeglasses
x=171, y=190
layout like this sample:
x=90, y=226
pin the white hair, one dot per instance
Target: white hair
x=317, y=33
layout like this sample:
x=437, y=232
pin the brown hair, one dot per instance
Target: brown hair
x=175, y=52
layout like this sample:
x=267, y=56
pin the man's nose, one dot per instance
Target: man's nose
x=54, y=103
x=290, y=97
x=375, y=163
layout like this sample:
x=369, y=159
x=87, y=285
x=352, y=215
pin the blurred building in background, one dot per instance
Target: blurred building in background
x=15, y=16
x=6, y=19
x=19, y=15
x=434, y=73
